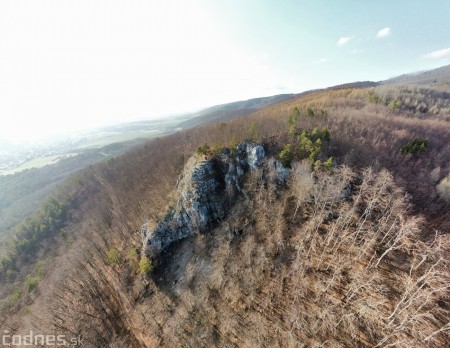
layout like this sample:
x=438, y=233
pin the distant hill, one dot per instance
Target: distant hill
x=435, y=76
x=233, y=110
x=358, y=84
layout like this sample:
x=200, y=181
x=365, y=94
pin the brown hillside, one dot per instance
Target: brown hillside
x=287, y=267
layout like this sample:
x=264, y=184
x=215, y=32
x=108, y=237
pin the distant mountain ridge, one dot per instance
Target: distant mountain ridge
x=232, y=110
x=237, y=109
x=435, y=76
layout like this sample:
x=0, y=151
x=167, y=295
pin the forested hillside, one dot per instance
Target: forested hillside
x=352, y=250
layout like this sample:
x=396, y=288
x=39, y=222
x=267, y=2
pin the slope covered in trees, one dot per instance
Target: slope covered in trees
x=346, y=255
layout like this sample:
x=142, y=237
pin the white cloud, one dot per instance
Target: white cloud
x=385, y=32
x=343, y=40
x=438, y=54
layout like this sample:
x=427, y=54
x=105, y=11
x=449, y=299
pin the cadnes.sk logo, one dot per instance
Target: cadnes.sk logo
x=37, y=340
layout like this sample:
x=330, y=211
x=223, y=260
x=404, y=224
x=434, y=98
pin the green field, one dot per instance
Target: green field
x=36, y=163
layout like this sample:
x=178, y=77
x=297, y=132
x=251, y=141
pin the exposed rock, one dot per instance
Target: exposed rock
x=282, y=172
x=206, y=189
x=443, y=188
x=255, y=155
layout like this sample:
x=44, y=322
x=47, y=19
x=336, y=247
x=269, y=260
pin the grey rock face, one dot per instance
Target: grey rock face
x=443, y=188
x=281, y=172
x=255, y=155
x=206, y=188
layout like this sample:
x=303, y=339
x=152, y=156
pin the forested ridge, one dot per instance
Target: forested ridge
x=294, y=264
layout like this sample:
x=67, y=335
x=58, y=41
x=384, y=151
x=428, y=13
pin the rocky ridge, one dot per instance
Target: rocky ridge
x=207, y=188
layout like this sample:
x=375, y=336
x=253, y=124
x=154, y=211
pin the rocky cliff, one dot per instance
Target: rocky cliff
x=207, y=188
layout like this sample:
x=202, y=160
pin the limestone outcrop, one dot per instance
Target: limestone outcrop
x=206, y=189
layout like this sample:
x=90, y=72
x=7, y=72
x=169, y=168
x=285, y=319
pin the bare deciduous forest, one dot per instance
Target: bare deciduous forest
x=293, y=265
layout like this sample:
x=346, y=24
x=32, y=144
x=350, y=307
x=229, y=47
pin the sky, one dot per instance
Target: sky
x=72, y=65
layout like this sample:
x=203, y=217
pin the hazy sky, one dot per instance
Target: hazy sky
x=67, y=65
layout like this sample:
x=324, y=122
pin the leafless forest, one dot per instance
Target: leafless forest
x=295, y=265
